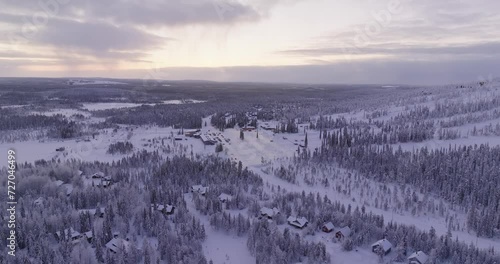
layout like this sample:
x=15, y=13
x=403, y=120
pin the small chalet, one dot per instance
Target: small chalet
x=116, y=245
x=168, y=209
x=58, y=183
x=191, y=133
x=328, y=227
x=268, y=212
x=225, y=197
x=38, y=202
x=383, y=246
x=158, y=207
x=69, y=189
x=418, y=257
x=343, y=232
x=98, y=175
x=199, y=189
x=248, y=128
x=73, y=235
x=299, y=222
x=105, y=182
x=88, y=235
x=267, y=127
x=98, y=212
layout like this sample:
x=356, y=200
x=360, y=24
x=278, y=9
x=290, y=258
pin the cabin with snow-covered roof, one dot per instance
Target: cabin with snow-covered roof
x=223, y=197
x=98, y=175
x=418, y=257
x=268, y=212
x=382, y=246
x=199, y=189
x=327, y=227
x=116, y=245
x=88, y=235
x=166, y=209
x=104, y=182
x=58, y=183
x=98, y=212
x=38, y=201
x=68, y=188
x=248, y=128
x=169, y=209
x=299, y=222
x=73, y=235
x=343, y=233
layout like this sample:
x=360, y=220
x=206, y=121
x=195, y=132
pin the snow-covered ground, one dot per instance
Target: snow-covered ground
x=107, y=106
x=252, y=151
x=118, y=105
x=220, y=247
x=186, y=101
x=92, y=82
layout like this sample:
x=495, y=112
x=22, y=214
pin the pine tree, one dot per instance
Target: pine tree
x=98, y=250
x=147, y=252
x=219, y=148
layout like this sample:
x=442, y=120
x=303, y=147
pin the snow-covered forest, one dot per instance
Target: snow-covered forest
x=195, y=172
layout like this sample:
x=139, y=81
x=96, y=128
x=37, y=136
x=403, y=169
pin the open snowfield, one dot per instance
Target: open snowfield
x=107, y=106
x=118, y=105
x=187, y=101
x=93, y=82
x=220, y=247
x=95, y=149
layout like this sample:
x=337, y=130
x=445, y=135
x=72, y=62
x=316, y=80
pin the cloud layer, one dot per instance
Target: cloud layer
x=423, y=41
x=105, y=28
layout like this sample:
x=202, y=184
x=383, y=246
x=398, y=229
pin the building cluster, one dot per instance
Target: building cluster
x=381, y=247
x=99, y=179
x=165, y=209
x=212, y=138
x=200, y=189
x=269, y=213
x=339, y=233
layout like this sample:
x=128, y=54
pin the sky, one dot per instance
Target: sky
x=305, y=41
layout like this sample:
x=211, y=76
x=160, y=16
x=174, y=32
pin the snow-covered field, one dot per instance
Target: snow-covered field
x=107, y=106
x=118, y=105
x=220, y=247
x=93, y=82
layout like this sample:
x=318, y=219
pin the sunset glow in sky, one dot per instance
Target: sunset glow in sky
x=319, y=41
